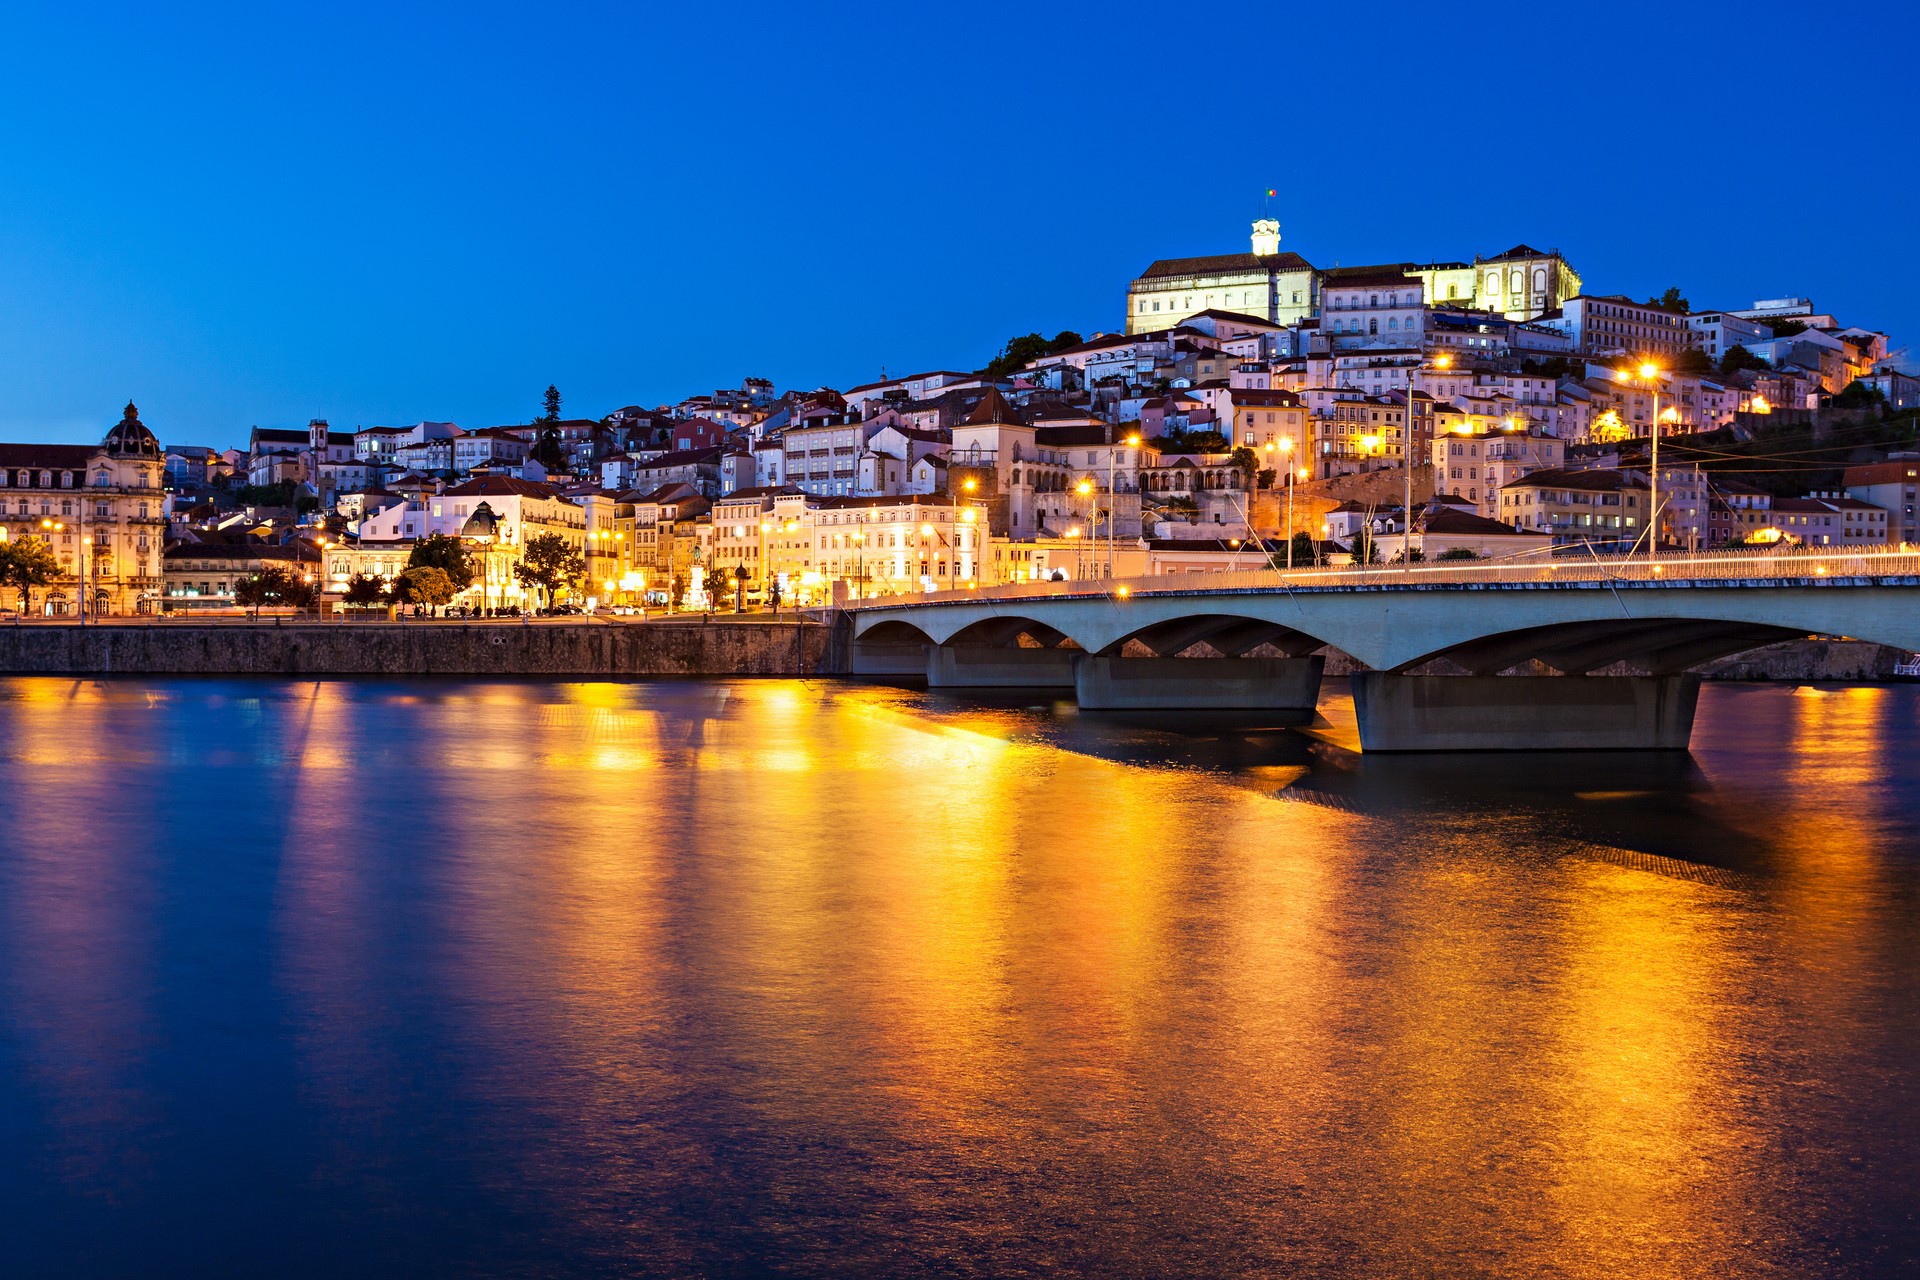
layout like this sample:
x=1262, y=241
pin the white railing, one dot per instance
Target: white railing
x=1795, y=564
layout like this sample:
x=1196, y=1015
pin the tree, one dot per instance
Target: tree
x=676, y=590
x=1671, y=301
x=1364, y=549
x=1461, y=553
x=1692, y=360
x=26, y=563
x=274, y=586
x=424, y=584
x=447, y=554
x=1859, y=395
x=549, y=562
x=547, y=450
x=1304, y=550
x=1737, y=357
x=714, y=583
x=1247, y=463
x=1020, y=351
x=551, y=404
x=281, y=493
x=1265, y=477
x=1193, y=442
x=365, y=589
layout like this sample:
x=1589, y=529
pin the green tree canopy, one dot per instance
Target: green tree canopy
x=550, y=404
x=714, y=583
x=274, y=585
x=281, y=493
x=26, y=563
x=1027, y=347
x=549, y=562
x=1737, y=357
x=424, y=584
x=365, y=589
x=547, y=450
x=1193, y=442
x=447, y=554
x=1859, y=395
x=1671, y=301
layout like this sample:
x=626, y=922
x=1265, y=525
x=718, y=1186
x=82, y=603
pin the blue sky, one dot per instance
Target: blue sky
x=388, y=213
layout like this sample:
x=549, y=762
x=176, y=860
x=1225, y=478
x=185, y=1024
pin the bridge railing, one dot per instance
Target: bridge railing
x=1796, y=564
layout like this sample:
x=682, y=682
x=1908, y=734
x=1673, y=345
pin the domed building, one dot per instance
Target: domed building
x=101, y=509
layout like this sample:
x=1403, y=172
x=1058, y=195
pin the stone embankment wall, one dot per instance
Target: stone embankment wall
x=678, y=648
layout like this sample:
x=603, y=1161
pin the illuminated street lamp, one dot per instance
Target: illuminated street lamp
x=1650, y=373
x=1286, y=458
x=79, y=580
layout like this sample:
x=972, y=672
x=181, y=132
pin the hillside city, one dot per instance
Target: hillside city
x=1252, y=411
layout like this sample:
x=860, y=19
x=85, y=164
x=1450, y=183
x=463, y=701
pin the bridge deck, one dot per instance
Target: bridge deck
x=1850, y=566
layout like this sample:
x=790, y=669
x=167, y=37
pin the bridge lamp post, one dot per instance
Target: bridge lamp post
x=1132, y=442
x=1286, y=461
x=961, y=541
x=79, y=578
x=1085, y=490
x=1650, y=372
x=1442, y=362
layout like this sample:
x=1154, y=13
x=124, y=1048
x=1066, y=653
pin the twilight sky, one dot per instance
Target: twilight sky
x=384, y=213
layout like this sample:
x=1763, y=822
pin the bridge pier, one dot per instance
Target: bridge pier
x=1524, y=713
x=988, y=667
x=1289, y=687
x=907, y=661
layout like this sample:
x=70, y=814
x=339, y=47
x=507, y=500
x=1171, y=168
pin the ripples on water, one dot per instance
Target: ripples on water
x=723, y=979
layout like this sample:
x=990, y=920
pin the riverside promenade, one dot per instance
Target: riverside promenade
x=754, y=645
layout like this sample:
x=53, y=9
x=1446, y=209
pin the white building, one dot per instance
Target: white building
x=1722, y=330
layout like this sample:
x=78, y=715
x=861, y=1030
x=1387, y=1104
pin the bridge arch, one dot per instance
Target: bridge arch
x=1665, y=646
x=1229, y=634
x=894, y=631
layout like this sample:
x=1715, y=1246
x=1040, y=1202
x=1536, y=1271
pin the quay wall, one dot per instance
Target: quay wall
x=655, y=648
x=660, y=648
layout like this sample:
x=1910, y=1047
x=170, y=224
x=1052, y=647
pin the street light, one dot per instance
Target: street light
x=1442, y=362
x=1650, y=373
x=79, y=581
x=1286, y=455
x=1132, y=442
x=1085, y=490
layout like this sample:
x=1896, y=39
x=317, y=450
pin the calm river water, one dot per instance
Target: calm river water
x=718, y=979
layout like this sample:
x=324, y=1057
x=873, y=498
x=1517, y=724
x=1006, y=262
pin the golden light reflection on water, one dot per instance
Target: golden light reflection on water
x=825, y=965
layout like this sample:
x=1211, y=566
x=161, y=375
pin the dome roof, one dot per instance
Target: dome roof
x=130, y=437
x=481, y=524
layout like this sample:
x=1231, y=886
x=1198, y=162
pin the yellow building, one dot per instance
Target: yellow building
x=100, y=508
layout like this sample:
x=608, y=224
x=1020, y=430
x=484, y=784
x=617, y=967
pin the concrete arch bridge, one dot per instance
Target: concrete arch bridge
x=1256, y=640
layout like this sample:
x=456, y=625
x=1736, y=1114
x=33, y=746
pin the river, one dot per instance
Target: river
x=740, y=978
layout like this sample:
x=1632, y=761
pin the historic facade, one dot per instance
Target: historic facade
x=1285, y=288
x=101, y=509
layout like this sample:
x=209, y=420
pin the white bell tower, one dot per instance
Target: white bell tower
x=1266, y=238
